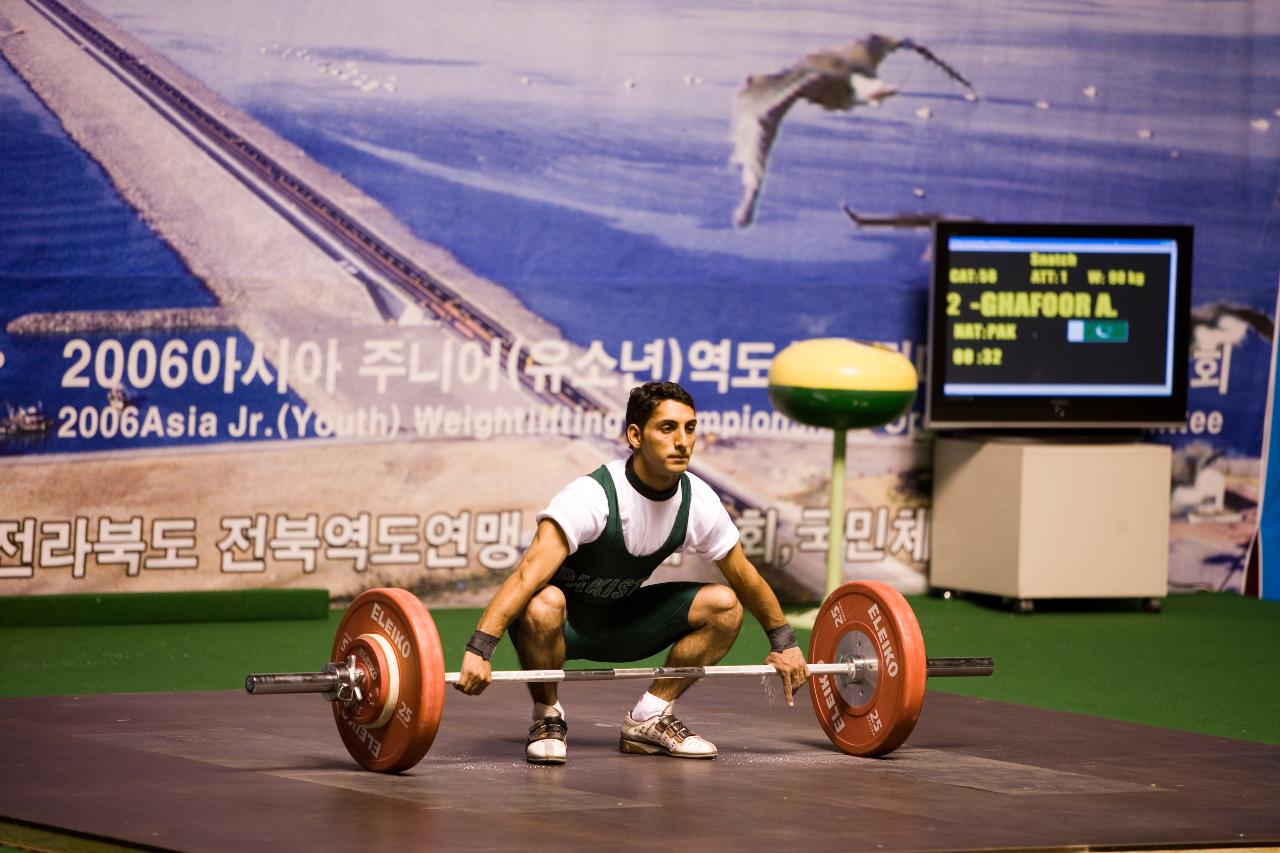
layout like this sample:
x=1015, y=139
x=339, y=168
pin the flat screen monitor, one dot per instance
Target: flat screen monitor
x=1041, y=326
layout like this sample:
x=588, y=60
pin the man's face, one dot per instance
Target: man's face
x=666, y=442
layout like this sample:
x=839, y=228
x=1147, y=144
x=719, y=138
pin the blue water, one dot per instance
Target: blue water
x=68, y=242
x=558, y=259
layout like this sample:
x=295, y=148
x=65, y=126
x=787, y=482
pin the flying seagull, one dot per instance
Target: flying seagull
x=838, y=79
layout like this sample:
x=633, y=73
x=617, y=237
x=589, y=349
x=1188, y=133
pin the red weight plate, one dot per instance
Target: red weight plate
x=870, y=620
x=403, y=621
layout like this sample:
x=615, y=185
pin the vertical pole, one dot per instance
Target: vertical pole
x=835, y=529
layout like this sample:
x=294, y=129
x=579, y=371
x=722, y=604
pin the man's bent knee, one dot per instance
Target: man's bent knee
x=717, y=604
x=545, y=612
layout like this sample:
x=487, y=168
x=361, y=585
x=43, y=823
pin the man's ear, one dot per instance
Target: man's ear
x=633, y=436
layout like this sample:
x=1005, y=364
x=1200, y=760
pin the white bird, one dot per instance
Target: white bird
x=837, y=79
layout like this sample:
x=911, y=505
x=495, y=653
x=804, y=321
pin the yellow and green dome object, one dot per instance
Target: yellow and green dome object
x=842, y=384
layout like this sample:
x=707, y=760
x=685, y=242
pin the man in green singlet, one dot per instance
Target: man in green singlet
x=577, y=592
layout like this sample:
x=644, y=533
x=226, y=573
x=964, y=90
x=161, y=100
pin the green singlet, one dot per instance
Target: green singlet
x=609, y=615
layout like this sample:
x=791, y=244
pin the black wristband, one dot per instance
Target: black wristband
x=782, y=638
x=482, y=644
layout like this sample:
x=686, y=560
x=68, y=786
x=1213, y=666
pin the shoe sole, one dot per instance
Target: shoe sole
x=637, y=747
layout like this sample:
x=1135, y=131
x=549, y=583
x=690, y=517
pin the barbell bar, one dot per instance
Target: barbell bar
x=866, y=662
x=329, y=682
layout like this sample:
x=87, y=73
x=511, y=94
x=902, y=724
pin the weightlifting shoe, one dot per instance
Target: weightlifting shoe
x=548, y=741
x=663, y=735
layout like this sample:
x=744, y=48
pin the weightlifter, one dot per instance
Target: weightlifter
x=577, y=594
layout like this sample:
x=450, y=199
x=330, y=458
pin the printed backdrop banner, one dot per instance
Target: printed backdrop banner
x=1265, y=558
x=313, y=293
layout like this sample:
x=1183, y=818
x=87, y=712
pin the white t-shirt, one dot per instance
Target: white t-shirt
x=581, y=509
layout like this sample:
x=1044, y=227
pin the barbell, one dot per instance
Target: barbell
x=387, y=680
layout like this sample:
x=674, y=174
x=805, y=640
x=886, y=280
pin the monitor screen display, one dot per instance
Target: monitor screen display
x=1039, y=326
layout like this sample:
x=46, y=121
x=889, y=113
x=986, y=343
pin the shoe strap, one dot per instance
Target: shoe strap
x=549, y=727
x=669, y=724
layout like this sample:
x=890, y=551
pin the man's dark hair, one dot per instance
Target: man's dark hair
x=645, y=398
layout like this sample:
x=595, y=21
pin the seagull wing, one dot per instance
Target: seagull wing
x=1211, y=316
x=1260, y=322
x=758, y=110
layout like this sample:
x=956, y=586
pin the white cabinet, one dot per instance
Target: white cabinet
x=1029, y=519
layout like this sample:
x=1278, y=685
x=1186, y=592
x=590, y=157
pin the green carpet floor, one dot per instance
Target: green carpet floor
x=1206, y=664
